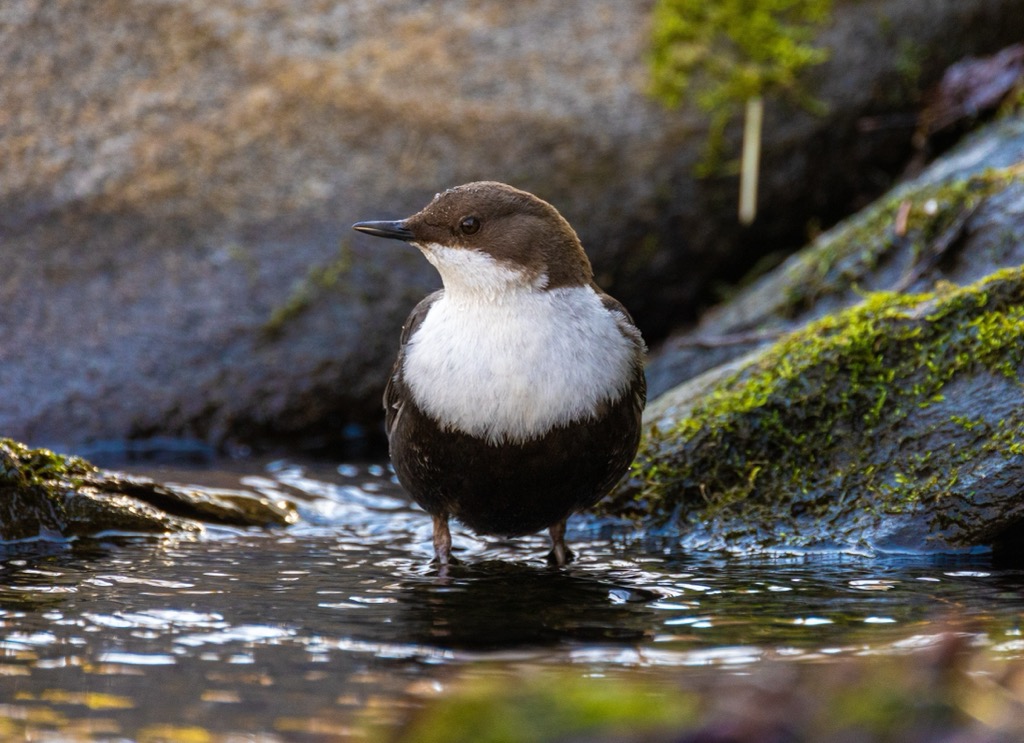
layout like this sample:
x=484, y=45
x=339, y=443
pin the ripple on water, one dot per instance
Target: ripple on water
x=343, y=616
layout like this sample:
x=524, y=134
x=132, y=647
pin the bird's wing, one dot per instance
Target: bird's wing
x=396, y=391
x=632, y=333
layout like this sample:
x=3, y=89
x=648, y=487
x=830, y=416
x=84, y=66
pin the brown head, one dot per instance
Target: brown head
x=519, y=231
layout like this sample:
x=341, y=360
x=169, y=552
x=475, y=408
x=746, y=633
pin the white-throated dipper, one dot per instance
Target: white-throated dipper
x=517, y=394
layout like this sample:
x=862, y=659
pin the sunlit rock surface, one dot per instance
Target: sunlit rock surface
x=47, y=495
x=177, y=179
x=879, y=419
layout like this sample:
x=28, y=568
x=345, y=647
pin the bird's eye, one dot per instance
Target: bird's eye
x=469, y=225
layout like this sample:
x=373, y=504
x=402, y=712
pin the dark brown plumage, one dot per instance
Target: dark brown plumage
x=512, y=266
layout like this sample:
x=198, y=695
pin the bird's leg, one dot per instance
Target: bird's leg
x=442, y=541
x=560, y=554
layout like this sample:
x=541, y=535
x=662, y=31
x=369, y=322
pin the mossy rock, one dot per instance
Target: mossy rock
x=895, y=424
x=556, y=706
x=48, y=495
x=959, y=220
x=949, y=691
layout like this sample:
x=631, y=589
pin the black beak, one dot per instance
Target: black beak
x=394, y=230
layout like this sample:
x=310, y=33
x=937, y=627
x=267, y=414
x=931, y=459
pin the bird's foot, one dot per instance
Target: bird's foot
x=442, y=545
x=443, y=568
x=452, y=560
x=561, y=558
x=560, y=553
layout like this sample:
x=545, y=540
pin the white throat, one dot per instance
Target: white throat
x=507, y=361
x=473, y=276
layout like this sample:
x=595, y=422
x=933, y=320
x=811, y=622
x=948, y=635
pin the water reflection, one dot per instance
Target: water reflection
x=308, y=631
x=497, y=605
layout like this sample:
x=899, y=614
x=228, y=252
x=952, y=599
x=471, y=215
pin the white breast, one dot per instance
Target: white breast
x=513, y=367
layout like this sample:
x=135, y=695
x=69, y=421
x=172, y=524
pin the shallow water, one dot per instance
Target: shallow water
x=310, y=633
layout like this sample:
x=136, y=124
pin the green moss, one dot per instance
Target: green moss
x=894, y=696
x=847, y=255
x=318, y=279
x=723, y=53
x=21, y=466
x=818, y=426
x=33, y=483
x=64, y=496
x=550, y=707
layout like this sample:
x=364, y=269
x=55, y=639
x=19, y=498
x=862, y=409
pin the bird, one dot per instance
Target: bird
x=517, y=394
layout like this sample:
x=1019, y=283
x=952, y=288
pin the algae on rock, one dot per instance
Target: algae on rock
x=893, y=424
x=48, y=495
x=931, y=695
x=882, y=420
x=957, y=221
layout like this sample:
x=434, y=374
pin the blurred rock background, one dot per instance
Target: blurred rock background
x=178, y=178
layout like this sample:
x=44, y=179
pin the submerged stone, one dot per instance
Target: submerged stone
x=48, y=495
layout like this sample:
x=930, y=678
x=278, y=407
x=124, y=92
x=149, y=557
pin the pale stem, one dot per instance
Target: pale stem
x=750, y=163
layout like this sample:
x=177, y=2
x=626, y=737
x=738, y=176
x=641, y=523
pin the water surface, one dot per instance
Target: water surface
x=310, y=632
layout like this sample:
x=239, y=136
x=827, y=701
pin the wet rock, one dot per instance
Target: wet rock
x=177, y=179
x=957, y=221
x=971, y=89
x=878, y=420
x=946, y=692
x=47, y=495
